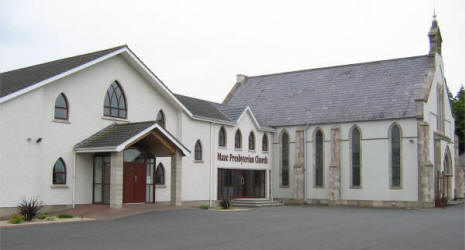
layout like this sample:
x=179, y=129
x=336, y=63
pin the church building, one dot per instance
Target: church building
x=102, y=128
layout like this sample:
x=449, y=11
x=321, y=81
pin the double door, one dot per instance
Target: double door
x=134, y=182
x=234, y=183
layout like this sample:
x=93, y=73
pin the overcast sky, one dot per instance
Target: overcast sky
x=198, y=47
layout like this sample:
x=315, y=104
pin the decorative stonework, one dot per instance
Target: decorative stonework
x=425, y=167
x=298, y=192
x=335, y=165
x=458, y=171
x=176, y=184
x=116, y=180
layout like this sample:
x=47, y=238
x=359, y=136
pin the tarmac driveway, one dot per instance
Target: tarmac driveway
x=294, y=227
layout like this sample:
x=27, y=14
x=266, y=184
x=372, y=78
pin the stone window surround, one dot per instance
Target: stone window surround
x=390, y=155
x=355, y=126
x=314, y=158
x=281, y=156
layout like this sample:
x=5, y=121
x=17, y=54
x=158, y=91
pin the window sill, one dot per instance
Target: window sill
x=238, y=149
x=251, y=150
x=222, y=148
x=160, y=186
x=61, y=121
x=355, y=187
x=114, y=119
x=198, y=161
x=396, y=188
x=281, y=186
x=318, y=187
x=59, y=186
x=265, y=152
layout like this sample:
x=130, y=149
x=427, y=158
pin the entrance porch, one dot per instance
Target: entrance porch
x=124, y=160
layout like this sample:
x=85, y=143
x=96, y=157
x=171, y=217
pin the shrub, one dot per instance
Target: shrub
x=65, y=216
x=50, y=218
x=29, y=209
x=204, y=206
x=16, y=219
x=225, y=204
x=42, y=216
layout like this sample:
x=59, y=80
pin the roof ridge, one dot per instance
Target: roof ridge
x=340, y=66
x=67, y=58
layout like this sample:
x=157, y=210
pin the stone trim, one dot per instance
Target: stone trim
x=370, y=203
x=425, y=167
x=299, y=185
x=335, y=165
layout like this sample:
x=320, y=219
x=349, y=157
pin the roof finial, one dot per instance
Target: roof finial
x=434, y=13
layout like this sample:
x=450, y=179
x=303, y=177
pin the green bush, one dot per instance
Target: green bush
x=42, y=216
x=50, y=218
x=204, y=206
x=65, y=216
x=16, y=219
x=29, y=208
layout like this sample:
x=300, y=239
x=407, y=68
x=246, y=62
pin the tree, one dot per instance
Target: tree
x=458, y=108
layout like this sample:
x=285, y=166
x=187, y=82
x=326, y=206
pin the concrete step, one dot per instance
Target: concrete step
x=255, y=203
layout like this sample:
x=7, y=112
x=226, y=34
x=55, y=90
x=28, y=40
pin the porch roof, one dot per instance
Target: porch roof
x=117, y=137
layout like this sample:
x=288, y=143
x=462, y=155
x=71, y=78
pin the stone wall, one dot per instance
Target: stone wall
x=299, y=186
x=335, y=165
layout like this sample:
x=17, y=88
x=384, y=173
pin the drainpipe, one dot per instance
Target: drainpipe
x=305, y=161
x=74, y=182
x=210, y=202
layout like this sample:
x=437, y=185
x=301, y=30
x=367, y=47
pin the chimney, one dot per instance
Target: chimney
x=240, y=78
x=435, y=39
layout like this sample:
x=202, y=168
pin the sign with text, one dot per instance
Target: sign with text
x=242, y=158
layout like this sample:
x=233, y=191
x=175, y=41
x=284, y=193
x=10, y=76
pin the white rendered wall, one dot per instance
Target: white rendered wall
x=31, y=116
x=374, y=163
x=199, y=178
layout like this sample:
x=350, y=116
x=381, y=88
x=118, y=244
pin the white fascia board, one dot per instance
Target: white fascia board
x=247, y=109
x=158, y=81
x=96, y=150
x=123, y=145
x=198, y=118
x=59, y=76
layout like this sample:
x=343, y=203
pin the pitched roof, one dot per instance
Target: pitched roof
x=365, y=91
x=12, y=81
x=116, y=136
x=202, y=108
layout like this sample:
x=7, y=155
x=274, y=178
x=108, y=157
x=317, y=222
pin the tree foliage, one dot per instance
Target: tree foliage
x=458, y=108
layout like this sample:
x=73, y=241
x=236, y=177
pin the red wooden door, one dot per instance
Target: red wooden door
x=134, y=181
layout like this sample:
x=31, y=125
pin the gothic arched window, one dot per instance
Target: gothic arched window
x=61, y=107
x=285, y=159
x=115, y=102
x=198, y=151
x=59, y=172
x=238, y=139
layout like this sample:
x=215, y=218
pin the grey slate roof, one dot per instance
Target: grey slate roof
x=117, y=134
x=12, y=81
x=365, y=91
x=202, y=108
x=114, y=135
x=233, y=112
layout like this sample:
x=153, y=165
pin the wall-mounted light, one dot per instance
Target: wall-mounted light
x=39, y=140
x=28, y=139
x=411, y=141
